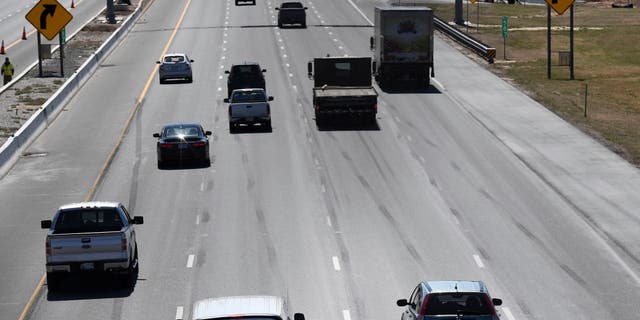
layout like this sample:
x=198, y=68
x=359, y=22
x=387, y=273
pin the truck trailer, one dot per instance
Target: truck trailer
x=403, y=47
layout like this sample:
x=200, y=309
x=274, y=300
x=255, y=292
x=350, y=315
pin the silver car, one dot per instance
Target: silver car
x=243, y=307
x=175, y=66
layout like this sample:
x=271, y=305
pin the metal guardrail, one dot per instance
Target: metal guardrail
x=486, y=52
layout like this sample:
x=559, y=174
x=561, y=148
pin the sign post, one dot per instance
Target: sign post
x=49, y=17
x=505, y=30
x=559, y=6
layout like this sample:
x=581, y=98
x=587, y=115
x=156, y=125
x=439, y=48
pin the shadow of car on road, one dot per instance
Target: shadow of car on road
x=348, y=125
x=85, y=287
x=399, y=90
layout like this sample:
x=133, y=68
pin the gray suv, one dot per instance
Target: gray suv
x=175, y=66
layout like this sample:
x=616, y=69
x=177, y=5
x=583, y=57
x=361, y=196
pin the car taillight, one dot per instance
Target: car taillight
x=423, y=308
x=317, y=107
x=166, y=145
x=375, y=106
x=198, y=144
x=123, y=243
x=488, y=302
x=48, y=247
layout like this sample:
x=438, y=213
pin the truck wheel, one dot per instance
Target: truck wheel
x=131, y=276
x=267, y=124
x=280, y=24
x=162, y=81
x=160, y=164
x=232, y=128
x=53, y=282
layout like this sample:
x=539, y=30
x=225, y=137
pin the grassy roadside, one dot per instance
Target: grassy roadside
x=607, y=64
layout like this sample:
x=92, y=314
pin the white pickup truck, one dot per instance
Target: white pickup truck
x=248, y=107
x=91, y=237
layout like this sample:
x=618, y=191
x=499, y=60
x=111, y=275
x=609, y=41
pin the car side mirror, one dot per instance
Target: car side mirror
x=264, y=70
x=45, y=224
x=496, y=301
x=158, y=62
x=138, y=220
x=373, y=67
x=371, y=43
x=270, y=98
x=191, y=61
x=156, y=135
x=402, y=302
x=309, y=69
x=298, y=316
x=207, y=133
x=226, y=72
x=226, y=100
x=305, y=8
x=277, y=8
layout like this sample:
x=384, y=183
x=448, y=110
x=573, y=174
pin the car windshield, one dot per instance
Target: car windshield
x=88, y=220
x=174, y=59
x=181, y=132
x=472, y=303
x=248, y=96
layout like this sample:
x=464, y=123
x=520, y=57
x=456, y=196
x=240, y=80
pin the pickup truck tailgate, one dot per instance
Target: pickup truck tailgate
x=76, y=247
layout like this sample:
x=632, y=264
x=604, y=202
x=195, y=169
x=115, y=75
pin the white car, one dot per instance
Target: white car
x=243, y=307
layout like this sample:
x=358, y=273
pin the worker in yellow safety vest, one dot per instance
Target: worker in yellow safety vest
x=7, y=70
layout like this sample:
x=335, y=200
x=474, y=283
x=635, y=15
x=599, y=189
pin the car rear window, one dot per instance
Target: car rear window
x=248, y=96
x=181, y=132
x=173, y=59
x=246, y=69
x=292, y=5
x=88, y=220
x=473, y=303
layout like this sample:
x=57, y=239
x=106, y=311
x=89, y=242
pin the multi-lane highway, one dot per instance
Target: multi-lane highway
x=471, y=180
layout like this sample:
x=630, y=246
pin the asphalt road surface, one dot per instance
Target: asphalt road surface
x=470, y=180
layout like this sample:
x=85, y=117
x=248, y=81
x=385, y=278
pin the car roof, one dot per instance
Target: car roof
x=212, y=308
x=90, y=204
x=454, y=286
x=246, y=63
x=175, y=54
x=181, y=124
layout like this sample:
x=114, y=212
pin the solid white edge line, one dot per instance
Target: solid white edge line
x=179, y=313
x=197, y=220
x=346, y=315
x=329, y=221
x=190, y=260
x=438, y=84
x=361, y=13
x=336, y=263
x=508, y=313
x=478, y=261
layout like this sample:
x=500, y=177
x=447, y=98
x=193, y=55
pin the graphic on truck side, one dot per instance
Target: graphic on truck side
x=406, y=38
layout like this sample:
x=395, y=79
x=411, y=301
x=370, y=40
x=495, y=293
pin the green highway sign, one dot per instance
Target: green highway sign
x=504, y=27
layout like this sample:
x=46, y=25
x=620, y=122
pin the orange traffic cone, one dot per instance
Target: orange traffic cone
x=2, y=48
x=24, y=33
x=73, y=5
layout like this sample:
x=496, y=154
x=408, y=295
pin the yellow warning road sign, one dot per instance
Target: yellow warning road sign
x=560, y=6
x=49, y=17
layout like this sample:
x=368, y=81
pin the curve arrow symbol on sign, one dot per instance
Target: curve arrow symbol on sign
x=49, y=9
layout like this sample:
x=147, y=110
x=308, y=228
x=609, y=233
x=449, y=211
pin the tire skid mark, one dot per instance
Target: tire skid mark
x=405, y=241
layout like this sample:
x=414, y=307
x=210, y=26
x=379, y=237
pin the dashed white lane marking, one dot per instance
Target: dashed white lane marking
x=336, y=263
x=508, y=313
x=361, y=13
x=197, y=220
x=179, y=313
x=396, y=118
x=329, y=221
x=202, y=186
x=190, y=261
x=324, y=189
x=346, y=315
x=409, y=138
x=478, y=261
x=422, y=159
